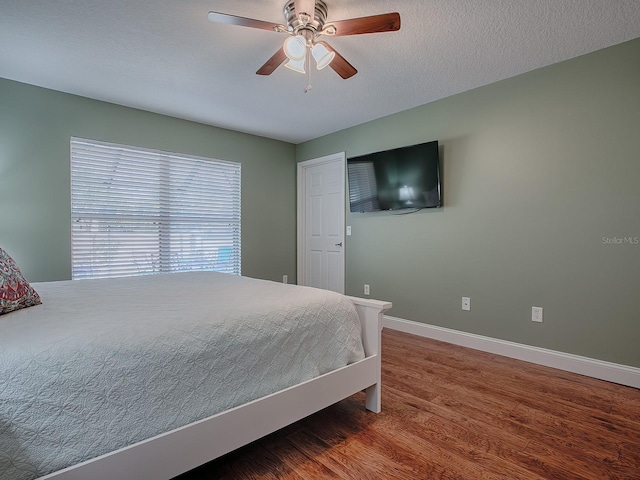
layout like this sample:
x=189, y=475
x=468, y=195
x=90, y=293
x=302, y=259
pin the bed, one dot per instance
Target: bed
x=148, y=377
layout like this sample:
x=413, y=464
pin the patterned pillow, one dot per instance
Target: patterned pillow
x=15, y=291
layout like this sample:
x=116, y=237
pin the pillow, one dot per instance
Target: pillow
x=15, y=291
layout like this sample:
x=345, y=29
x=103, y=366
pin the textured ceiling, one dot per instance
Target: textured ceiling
x=166, y=57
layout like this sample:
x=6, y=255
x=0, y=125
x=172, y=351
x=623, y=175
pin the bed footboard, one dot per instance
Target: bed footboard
x=371, y=313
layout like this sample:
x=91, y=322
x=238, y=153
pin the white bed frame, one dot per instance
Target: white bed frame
x=170, y=454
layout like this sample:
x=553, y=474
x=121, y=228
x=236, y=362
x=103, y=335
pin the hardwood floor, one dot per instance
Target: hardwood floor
x=449, y=412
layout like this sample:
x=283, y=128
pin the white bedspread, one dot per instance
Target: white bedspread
x=102, y=364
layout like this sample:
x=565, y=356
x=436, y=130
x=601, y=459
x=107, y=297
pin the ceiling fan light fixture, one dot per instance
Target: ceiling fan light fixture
x=322, y=55
x=296, y=65
x=295, y=47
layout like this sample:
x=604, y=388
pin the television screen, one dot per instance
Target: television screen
x=406, y=177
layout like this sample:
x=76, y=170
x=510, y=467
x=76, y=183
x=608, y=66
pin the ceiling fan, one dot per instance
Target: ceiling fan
x=305, y=24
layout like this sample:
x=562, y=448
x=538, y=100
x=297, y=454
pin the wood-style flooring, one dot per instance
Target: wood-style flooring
x=450, y=412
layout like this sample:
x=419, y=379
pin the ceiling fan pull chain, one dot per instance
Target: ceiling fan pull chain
x=308, y=68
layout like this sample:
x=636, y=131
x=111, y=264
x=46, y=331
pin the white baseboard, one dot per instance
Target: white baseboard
x=611, y=372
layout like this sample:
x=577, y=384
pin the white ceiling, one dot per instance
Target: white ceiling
x=166, y=57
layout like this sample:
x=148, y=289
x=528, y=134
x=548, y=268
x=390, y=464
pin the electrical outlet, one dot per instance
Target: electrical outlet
x=285, y=278
x=536, y=314
x=466, y=303
x=366, y=289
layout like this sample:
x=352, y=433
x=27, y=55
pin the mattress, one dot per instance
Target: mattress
x=103, y=364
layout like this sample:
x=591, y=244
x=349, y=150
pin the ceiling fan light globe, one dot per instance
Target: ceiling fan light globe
x=296, y=65
x=295, y=47
x=322, y=55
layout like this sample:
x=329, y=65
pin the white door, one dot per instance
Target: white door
x=321, y=218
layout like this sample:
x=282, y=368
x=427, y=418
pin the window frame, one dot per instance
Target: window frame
x=123, y=197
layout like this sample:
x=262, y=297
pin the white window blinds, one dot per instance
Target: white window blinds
x=136, y=211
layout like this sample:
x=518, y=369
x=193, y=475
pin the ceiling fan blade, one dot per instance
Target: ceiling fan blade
x=339, y=64
x=274, y=62
x=306, y=6
x=242, y=21
x=387, y=22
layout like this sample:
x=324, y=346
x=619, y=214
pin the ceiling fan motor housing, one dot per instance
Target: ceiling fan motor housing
x=295, y=23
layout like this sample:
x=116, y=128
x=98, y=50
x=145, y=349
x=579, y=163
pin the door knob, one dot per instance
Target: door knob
x=338, y=244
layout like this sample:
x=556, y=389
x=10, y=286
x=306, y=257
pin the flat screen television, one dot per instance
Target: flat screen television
x=402, y=178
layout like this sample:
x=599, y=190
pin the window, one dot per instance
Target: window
x=136, y=211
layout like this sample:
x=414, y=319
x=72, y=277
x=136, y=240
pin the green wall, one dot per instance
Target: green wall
x=539, y=171
x=35, y=127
